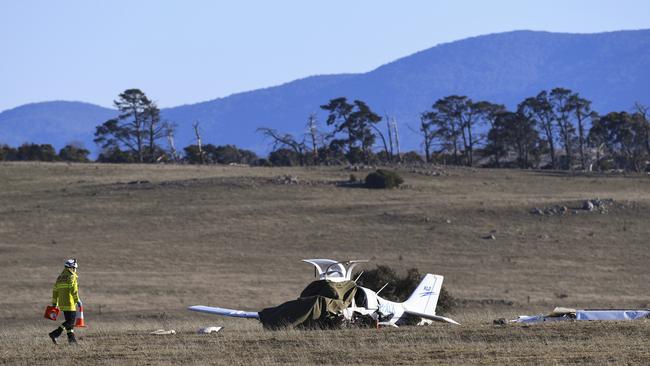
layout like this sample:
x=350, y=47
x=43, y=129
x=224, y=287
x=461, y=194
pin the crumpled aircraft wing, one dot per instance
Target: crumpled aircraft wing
x=225, y=312
x=433, y=317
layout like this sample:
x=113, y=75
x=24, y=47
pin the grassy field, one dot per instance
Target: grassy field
x=234, y=237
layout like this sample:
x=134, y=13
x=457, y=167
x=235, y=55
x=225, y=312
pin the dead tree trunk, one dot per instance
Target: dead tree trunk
x=195, y=125
x=394, y=124
x=172, y=145
x=313, y=133
x=390, y=138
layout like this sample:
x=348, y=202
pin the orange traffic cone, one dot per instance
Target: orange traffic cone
x=79, y=323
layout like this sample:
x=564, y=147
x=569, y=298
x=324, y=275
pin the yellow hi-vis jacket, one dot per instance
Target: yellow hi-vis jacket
x=65, y=294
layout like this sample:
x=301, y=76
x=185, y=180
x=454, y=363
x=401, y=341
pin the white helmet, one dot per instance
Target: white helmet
x=71, y=263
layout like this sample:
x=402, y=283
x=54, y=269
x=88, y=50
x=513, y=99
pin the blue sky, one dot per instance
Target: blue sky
x=190, y=51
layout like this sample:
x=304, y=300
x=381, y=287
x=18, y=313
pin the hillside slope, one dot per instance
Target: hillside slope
x=611, y=69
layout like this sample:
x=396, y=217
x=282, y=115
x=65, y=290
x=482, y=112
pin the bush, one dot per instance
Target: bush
x=115, y=155
x=400, y=288
x=284, y=157
x=8, y=153
x=36, y=152
x=74, y=153
x=412, y=157
x=383, y=179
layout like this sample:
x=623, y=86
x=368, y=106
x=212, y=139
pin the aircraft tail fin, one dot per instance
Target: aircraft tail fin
x=425, y=297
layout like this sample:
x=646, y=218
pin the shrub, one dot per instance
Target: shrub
x=383, y=179
x=74, y=153
x=8, y=153
x=400, y=288
x=36, y=152
x=115, y=155
x=284, y=157
x=412, y=157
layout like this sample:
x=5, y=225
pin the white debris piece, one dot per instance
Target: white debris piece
x=163, y=332
x=209, y=330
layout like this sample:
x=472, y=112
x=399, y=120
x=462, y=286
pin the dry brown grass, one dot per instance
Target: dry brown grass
x=230, y=236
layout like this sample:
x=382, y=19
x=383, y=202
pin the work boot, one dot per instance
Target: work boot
x=71, y=338
x=55, y=334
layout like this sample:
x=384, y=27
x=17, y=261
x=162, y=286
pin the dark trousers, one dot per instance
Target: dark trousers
x=68, y=324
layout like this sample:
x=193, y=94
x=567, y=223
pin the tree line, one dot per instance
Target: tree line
x=555, y=129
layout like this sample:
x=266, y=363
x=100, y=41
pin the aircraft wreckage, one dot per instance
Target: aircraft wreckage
x=336, y=300
x=564, y=314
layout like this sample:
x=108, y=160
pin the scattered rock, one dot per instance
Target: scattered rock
x=593, y=205
x=287, y=179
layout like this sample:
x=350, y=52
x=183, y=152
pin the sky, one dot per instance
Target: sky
x=183, y=52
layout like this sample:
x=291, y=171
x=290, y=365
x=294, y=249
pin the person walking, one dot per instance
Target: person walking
x=65, y=295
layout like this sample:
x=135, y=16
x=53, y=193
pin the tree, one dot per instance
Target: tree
x=312, y=127
x=199, y=143
x=136, y=129
x=581, y=110
x=285, y=141
x=540, y=110
x=113, y=154
x=74, y=152
x=561, y=110
x=230, y=154
x=285, y=157
x=642, y=113
x=224, y=154
x=355, y=120
x=453, y=120
x=388, y=154
x=513, y=132
x=8, y=153
x=36, y=152
x=339, y=116
x=155, y=131
x=623, y=136
x=430, y=128
x=170, y=129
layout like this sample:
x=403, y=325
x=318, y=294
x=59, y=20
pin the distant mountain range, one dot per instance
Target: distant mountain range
x=611, y=69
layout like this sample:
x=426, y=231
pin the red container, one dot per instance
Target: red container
x=51, y=312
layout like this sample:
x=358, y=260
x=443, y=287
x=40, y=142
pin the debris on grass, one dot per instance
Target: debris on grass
x=209, y=330
x=163, y=332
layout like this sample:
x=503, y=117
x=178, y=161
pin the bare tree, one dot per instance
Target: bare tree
x=426, y=123
x=285, y=140
x=195, y=125
x=312, y=125
x=170, y=128
x=393, y=123
x=389, y=156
